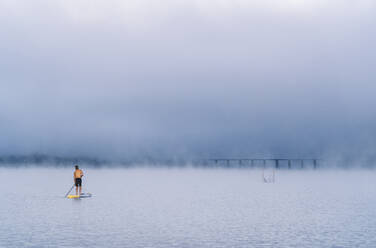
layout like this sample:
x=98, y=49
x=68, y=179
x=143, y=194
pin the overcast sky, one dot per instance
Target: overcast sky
x=188, y=78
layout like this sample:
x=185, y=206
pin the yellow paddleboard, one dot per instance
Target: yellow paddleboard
x=73, y=196
x=83, y=195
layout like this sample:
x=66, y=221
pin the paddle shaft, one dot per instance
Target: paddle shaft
x=69, y=191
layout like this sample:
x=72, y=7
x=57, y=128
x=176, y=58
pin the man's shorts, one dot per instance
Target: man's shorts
x=78, y=182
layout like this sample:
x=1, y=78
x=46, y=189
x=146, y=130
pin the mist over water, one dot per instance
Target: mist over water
x=143, y=95
x=120, y=80
x=146, y=207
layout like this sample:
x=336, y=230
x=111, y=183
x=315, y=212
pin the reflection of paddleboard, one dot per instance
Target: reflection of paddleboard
x=83, y=195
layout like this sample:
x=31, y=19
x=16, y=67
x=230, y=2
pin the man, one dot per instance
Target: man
x=77, y=175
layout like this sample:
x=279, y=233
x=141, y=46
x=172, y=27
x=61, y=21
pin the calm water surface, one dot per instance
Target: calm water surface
x=188, y=208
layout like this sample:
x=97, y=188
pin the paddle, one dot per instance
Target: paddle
x=69, y=191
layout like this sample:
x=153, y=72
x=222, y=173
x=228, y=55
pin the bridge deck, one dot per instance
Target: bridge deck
x=276, y=161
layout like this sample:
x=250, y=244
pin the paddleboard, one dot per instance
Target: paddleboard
x=83, y=195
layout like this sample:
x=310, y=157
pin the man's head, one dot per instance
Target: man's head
x=76, y=166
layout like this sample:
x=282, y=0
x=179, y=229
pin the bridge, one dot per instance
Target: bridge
x=251, y=162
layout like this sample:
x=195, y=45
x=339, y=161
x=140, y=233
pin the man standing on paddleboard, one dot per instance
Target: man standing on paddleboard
x=77, y=175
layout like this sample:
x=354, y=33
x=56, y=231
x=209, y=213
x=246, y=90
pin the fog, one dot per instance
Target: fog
x=123, y=79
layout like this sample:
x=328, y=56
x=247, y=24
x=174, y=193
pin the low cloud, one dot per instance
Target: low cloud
x=120, y=79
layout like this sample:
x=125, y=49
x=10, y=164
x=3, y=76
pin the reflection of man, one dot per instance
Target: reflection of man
x=77, y=175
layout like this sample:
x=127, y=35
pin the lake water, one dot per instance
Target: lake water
x=188, y=208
